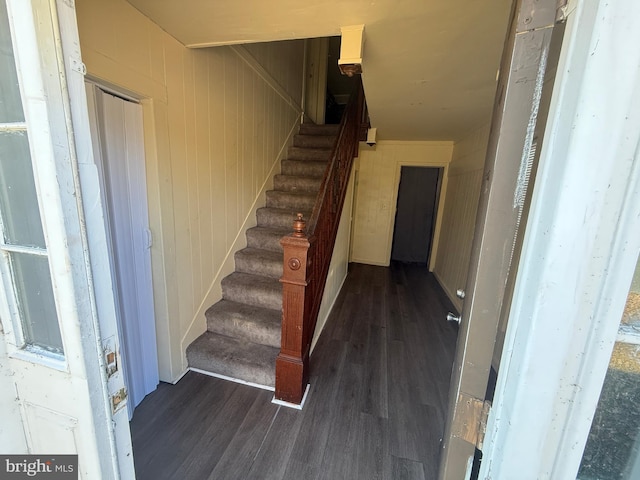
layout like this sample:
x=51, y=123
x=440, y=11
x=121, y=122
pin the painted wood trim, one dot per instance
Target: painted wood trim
x=56, y=101
x=580, y=249
x=516, y=107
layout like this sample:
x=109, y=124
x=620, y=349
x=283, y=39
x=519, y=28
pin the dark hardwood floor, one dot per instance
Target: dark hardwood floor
x=379, y=387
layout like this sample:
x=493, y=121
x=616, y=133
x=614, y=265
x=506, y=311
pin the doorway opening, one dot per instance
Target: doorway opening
x=117, y=135
x=416, y=208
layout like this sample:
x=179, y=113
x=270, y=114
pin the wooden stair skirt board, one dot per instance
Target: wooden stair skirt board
x=242, y=340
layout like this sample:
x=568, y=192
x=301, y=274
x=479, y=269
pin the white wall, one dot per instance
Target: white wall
x=377, y=194
x=216, y=123
x=461, y=204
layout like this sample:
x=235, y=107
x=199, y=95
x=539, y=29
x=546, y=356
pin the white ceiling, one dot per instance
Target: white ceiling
x=429, y=66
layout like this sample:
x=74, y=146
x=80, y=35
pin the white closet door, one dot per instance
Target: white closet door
x=123, y=171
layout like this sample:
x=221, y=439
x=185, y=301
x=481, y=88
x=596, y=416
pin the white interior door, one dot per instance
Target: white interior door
x=119, y=151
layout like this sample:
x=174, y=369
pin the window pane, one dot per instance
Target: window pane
x=35, y=297
x=613, y=446
x=631, y=316
x=18, y=201
x=10, y=103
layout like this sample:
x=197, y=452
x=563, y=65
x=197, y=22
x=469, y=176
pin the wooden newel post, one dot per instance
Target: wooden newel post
x=292, y=364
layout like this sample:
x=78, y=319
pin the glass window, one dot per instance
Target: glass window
x=18, y=200
x=22, y=245
x=35, y=300
x=613, y=446
x=10, y=103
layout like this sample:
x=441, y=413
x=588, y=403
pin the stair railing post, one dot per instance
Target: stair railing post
x=292, y=364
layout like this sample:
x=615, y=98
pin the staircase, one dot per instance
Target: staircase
x=242, y=339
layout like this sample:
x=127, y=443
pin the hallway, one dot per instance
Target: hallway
x=379, y=386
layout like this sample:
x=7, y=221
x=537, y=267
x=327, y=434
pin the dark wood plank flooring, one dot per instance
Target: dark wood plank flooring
x=376, y=408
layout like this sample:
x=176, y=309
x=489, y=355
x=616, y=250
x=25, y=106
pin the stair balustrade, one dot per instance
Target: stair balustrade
x=307, y=255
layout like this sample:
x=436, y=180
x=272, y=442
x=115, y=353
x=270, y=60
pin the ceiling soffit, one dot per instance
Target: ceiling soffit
x=429, y=67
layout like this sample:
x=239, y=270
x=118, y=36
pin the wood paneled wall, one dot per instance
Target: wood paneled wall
x=216, y=125
x=461, y=204
x=275, y=58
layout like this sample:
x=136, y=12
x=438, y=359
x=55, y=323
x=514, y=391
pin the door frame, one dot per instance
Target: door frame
x=436, y=207
x=502, y=202
x=142, y=333
x=441, y=195
x=579, y=250
x=584, y=219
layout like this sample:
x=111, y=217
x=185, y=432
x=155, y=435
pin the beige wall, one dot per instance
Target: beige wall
x=378, y=177
x=216, y=123
x=276, y=58
x=461, y=203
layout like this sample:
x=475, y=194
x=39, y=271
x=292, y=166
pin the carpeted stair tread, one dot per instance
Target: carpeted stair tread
x=257, y=261
x=267, y=238
x=279, y=217
x=242, y=339
x=314, y=141
x=313, y=129
x=291, y=200
x=311, y=154
x=297, y=183
x=255, y=290
x=239, y=320
x=307, y=168
x=234, y=357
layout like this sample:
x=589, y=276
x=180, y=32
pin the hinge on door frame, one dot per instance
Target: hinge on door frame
x=118, y=400
x=470, y=422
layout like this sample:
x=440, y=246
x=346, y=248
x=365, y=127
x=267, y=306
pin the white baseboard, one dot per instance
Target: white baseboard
x=293, y=405
x=233, y=379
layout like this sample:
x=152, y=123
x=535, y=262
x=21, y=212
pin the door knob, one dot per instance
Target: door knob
x=460, y=293
x=453, y=318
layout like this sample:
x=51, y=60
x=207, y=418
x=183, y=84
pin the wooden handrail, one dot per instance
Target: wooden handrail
x=307, y=255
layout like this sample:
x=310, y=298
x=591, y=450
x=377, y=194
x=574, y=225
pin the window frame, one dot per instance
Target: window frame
x=39, y=137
